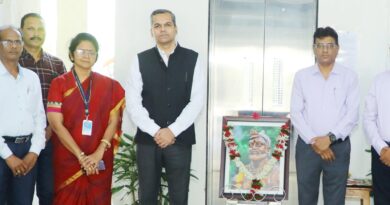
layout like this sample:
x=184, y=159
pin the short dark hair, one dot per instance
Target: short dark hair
x=82, y=37
x=29, y=15
x=163, y=11
x=326, y=32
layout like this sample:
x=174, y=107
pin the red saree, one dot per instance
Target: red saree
x=107, y=96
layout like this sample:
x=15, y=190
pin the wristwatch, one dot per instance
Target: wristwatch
x=332, y=138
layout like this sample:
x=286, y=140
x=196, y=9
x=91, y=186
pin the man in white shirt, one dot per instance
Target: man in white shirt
x=22, y=120
x=324, y=110
x=376, y=122
x=164, y=96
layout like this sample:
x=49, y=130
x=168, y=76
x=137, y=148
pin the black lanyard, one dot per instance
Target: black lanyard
x=86, y=96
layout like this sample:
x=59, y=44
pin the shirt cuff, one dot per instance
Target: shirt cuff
x=308, y=140
x=379, y=147
x=36, y=149
x=6, y=152
x=154, y=130
x=174, y=129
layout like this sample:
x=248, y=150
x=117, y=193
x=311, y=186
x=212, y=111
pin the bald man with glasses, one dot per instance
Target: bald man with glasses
x=22, y=120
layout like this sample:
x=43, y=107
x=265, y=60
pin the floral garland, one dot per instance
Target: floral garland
x=234, y=155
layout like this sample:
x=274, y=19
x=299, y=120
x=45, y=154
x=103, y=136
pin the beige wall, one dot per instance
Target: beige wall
x=370, y=22
x=12, y=10
x=72, y=19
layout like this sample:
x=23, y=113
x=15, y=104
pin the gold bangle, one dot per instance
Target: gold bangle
x=106, y=142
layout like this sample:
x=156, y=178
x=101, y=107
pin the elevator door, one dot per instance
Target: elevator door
x=256, y=46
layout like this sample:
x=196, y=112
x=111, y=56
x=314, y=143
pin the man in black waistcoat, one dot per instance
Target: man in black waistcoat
x=165, y=94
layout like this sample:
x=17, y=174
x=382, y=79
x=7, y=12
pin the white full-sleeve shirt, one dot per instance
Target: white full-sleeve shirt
x=21, y=109
x=140, y=116
x=320, y=106
x=376, y=116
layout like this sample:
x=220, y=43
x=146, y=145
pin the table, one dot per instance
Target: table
x=360, y=192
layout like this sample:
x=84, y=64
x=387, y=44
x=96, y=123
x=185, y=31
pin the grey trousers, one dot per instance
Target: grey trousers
x=334, y=174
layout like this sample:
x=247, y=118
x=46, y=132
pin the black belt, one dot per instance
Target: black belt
x=341, y=140
x=17, y=139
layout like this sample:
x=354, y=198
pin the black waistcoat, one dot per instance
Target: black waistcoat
x=166, y=90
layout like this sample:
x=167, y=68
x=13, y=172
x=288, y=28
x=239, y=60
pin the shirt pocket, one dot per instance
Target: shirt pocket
x=340, y=94
x=32, y=99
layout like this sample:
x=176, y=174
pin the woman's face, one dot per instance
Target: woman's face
x=85, y=55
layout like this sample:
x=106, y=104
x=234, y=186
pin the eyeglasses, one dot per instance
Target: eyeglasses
x=82, y=52
x=321, y=46
x=9, y=43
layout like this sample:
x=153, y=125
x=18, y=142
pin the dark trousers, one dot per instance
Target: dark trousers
x=177, y=162
x=16, y=190
x=334, y=174
x=380, y=179
x=45, y=177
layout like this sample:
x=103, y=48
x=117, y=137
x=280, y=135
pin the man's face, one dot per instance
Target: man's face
x=33, y=32
x=258, y=150
x=163, y=29
x=11, y=45
x=325, y=50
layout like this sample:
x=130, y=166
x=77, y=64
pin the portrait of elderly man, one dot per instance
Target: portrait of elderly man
x=259, y=153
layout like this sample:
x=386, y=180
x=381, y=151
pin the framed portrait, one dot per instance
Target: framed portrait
x=254, y=158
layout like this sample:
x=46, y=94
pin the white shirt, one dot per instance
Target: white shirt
x=21, y=109
x=376, y=116
x=139, y=114
x=320, y=106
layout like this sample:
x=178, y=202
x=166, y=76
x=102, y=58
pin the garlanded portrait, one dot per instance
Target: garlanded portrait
x=254, y=163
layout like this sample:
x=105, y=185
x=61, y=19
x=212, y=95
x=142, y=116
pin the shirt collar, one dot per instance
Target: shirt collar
x=21, y=71
x=336, y=70
x=3, y=70
x=162, y=53
x=27, y=55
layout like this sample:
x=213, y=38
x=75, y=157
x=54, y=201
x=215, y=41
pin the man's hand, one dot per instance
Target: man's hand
x=321, y=143
x=164, y=137
x=326, y=155
x=30, y=159
x=17, y=166
x=48, y=133
x=385, y=156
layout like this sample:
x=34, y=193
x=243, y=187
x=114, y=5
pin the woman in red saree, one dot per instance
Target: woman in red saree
x=84, y=110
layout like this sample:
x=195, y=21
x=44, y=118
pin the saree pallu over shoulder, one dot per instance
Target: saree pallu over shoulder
x=107, y=98
x=116, y=139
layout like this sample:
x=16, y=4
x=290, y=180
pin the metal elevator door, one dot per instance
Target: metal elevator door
x=256, y=46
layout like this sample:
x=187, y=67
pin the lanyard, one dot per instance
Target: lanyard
x=86, y=96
